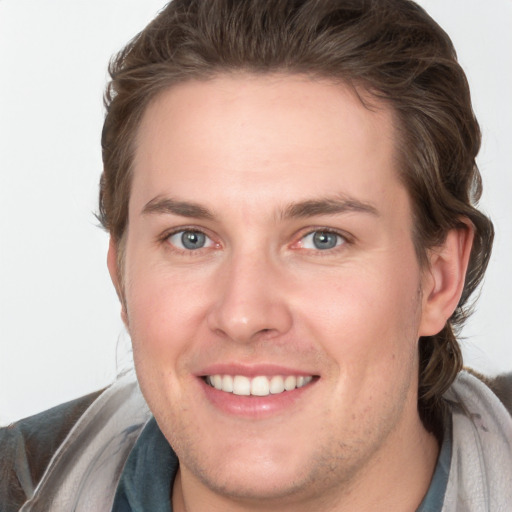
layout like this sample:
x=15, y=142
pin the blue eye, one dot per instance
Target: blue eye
x=322, y=240
x=190, y=240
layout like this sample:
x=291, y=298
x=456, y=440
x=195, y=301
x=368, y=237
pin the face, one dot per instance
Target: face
x=272, y=290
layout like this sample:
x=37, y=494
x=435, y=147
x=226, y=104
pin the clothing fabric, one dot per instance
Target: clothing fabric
x=481, y=464
x=145, y=484
x=103, y=458
x=27, y=447
x=433, y=500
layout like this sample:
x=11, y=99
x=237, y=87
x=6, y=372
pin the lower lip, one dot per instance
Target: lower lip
x=254, y=406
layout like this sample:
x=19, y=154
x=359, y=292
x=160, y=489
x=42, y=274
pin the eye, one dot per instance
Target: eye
x=322, y=240
x=190, y=240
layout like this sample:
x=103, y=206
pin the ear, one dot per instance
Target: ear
x=115, y=275
x=444, y=279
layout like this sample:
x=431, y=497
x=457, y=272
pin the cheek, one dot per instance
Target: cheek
x=161, y=324
x=163, y=316
x=159, y=297
x=365, y=317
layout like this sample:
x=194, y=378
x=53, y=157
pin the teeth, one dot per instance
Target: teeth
x=260, y=386
x=217, y=381
x=276, y=384
x=290, y=383
x=241, y=385
x=227, y=383
x=257, y=386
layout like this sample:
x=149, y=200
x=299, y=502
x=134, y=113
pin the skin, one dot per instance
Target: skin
x=246, y=149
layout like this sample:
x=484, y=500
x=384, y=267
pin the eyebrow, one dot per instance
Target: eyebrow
x=172, y=206
x=302, y=209
x=328, y=206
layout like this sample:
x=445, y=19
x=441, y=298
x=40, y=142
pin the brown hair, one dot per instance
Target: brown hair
x=390, y=48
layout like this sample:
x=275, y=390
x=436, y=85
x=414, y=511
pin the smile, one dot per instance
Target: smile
x=257, y=386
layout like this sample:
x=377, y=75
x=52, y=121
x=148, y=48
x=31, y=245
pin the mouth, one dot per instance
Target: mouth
x=260, y=385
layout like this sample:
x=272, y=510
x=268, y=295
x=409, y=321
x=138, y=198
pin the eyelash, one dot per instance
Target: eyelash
x=165, y=239
x=345, y=240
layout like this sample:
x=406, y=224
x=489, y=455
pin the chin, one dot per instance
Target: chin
x=249, y=482
x=268, y=471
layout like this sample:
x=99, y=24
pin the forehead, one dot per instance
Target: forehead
x=239, y=132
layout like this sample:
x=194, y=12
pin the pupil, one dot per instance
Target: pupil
x=323, y=240
x=192, y=239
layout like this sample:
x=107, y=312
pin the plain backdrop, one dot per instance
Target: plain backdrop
x=60, y=332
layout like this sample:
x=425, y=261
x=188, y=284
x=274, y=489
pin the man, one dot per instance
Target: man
x=290, y=191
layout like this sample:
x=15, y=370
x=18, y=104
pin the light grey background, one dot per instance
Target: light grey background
x=60, y=332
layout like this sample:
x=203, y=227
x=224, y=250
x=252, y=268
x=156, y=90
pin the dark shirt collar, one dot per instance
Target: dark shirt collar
x=145, y=484
x=433, y=501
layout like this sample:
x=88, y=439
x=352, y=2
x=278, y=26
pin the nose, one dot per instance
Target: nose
x=251, y=302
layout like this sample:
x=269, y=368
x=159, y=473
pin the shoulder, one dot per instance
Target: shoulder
x=500, y=385
x=27, y=446
x=481, y=430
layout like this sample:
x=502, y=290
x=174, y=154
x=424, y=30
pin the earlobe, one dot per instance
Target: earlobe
x=113, y=269
x=444, y=280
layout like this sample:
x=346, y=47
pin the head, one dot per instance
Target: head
x=390, y=51
x=232, y=123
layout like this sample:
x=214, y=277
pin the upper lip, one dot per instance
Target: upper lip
x=252, y=370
